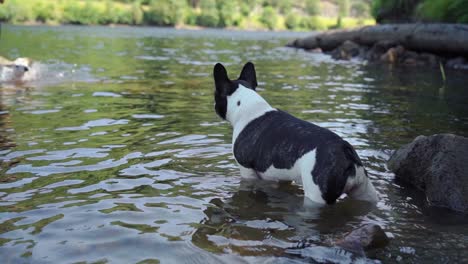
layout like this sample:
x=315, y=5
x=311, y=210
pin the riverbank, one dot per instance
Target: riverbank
x=207, y=13
x=417, y=44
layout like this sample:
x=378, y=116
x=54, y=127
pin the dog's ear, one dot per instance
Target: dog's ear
x=222, y=82
x=248, y=74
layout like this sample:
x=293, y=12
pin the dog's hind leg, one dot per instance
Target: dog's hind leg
x=247, y=173
x=311, y=190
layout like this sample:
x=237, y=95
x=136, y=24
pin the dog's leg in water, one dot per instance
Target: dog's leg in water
x=247, y=173
x=360, y=187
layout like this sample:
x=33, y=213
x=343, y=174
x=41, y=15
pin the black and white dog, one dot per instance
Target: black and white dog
x=273, y=145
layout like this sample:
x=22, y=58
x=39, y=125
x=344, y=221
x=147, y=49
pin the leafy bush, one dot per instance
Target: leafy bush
x=315, y=23
x=455, y=11
x=137, y=13
x=45, y=12
x=292, y=21
x=108, y=16
x=360, y=9
x=123, y=16
x=269, y=17
x=74, y=13
x=14, y=11
x=165, y=12
x=209, y=16
x=190, y=17
x=343, y=8
x=228, y=13
x=399, y=10
x=312, y=7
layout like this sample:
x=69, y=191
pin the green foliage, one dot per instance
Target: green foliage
x=393, y=9
x=452, y=11
x=108, y=16
x=14, y=12
x=124, y=16
x=253, y=14
x=75, y=14
x=209, y=15
x=312, y=7
x=315, y=23
x=455, y=11
x=228, y=13
x=44, y=12
x=339, y=22
x=190, y=17
x=137, y=13
x=285, y=7
x=292, y=21
x=360, y=9
x=343, y=8
x=166, y=12
x=269, y=17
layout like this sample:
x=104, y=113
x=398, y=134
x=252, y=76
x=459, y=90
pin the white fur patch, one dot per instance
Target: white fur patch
x=252, y=105
x=311, y=190
x=301, y=172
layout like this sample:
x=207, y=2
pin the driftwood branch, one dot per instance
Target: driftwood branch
x=435, y=38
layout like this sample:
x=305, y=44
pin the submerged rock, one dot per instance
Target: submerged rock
x=458, y=63
x=346, y=51
x=366, y=237
x=438, y=165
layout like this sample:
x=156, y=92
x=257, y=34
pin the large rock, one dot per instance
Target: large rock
x=438, y=165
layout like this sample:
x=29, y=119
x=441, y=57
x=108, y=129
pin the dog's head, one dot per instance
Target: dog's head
x=21, y=65
x=225, y=88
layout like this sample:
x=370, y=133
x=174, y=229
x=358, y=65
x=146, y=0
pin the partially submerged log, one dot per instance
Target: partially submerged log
x=443, y=39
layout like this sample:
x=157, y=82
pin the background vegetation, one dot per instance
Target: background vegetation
x=452, y=11
x=243, y=14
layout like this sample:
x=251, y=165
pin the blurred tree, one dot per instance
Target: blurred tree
x=166, y=12
x=292, y=21
x=454, y=11
x=269, y=17
x=312, y=7
x=209, y=14
x=45, y=12
x=360, y=9
x=137, y=13
x=394, y=11
x=343, y=8
x=228, y=13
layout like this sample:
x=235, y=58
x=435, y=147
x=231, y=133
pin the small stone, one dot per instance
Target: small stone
x=393, y=54
x=366, y=237
x=346, y=51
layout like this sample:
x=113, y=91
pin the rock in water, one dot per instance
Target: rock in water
x=368, y=236
x=346, y=51
x=438, y=165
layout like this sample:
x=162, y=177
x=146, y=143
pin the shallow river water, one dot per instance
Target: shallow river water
x=114, y=153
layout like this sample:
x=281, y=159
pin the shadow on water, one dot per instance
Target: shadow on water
x=268, y=217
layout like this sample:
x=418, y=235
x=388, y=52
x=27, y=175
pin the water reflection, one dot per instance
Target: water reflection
x=122, y=158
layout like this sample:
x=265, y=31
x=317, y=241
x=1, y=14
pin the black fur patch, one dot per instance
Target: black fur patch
x=280, y=139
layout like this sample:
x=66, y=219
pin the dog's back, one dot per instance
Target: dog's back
x=278, y=139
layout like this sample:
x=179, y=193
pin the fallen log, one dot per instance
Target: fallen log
x=443, y=39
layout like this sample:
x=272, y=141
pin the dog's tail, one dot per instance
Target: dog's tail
x=336, y=162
